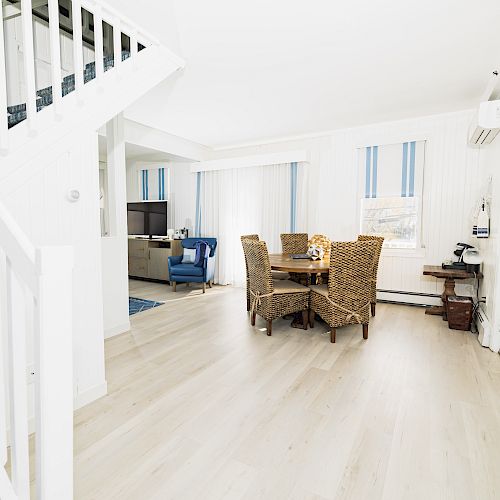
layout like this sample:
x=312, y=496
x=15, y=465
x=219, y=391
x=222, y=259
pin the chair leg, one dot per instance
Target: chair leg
x=248, y=304
x=174, y=285
x=373, y=304
x=333, y=335
x=252, y=320
x=305, y=318
x=204, y=287
x=312, y=316
x=269, y=327
x=365, y=331
x=210, y=284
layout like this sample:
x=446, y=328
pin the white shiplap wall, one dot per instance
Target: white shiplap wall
x=489, y=179
x=450, y=188
x=37, y=198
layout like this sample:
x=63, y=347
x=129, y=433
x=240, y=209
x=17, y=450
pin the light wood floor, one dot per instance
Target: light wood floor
x=203, y=406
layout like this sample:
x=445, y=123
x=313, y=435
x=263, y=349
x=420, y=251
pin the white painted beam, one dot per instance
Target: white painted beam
x=299, y=156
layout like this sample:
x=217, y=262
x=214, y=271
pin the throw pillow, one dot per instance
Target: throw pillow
x=188, y=256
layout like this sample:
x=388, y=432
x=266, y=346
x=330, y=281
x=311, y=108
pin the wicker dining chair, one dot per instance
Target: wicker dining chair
x=277, y=275
x=294, y=243
x=271, y=299
x=373, y=285
x=345, y=300
x=252, y=237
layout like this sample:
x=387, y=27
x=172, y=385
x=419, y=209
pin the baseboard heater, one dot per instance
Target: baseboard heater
x=416, y=299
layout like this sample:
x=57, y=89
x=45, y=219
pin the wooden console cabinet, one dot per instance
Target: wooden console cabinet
x=148, y=259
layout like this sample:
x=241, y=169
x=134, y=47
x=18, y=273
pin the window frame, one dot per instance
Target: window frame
x=420, y=250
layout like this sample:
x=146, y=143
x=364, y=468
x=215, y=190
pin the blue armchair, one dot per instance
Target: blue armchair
x=189, y=273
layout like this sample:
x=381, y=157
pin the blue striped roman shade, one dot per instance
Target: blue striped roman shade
x=153, y=186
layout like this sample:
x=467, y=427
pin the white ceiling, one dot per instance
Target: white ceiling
x=266, y=69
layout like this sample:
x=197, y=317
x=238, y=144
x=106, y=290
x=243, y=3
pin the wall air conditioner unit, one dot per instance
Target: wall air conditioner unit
x=488, y=124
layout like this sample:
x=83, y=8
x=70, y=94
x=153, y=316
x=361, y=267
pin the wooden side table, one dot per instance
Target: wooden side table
x=449, y=276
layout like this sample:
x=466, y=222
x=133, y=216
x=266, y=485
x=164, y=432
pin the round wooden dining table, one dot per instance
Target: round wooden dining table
x=283, y=262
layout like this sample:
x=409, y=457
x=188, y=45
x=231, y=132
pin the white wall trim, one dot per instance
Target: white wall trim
x=90, y=395
x=116, y=330
x=298, y=156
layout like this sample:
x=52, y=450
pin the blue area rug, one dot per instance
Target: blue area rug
x=138, y=305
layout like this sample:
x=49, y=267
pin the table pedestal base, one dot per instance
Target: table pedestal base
x=435, y=310
x=449, y=290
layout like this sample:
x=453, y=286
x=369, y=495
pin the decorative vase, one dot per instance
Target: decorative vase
x=315, y=252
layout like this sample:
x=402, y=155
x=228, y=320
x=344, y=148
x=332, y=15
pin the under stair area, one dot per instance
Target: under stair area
x=94, y=63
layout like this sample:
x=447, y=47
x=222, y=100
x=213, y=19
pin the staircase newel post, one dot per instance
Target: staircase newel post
x=54, y=373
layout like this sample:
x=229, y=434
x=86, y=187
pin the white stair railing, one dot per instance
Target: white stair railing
x=102, y=12
x=36, y=308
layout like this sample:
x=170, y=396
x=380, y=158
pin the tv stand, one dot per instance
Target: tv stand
x=148, y=258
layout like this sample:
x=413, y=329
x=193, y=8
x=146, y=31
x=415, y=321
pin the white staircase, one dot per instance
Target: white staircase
x=36, y=291
x=91, y=104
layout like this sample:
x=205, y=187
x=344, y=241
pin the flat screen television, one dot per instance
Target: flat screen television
x=148, y=218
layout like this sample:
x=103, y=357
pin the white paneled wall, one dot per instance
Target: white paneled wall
x=450, y=187
x=183, y=194
x=489, y=186
x=42, y=209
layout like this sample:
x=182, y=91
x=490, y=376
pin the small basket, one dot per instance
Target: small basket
x=459, y=310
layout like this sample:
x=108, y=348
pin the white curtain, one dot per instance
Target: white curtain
x=245, y=201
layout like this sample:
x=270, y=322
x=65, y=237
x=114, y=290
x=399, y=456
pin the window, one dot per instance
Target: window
x=391, y=183
x=154, y=183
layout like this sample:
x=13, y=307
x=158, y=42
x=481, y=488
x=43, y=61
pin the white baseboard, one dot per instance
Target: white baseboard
x=90, y=395
x=117, y=330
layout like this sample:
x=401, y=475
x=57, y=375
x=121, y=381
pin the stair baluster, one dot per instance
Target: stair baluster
x=4, y=140
x=29, y=61
x=117, y=43
x=18, y=394
x=77, y=45
x=55, y=54
x=98, y=44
